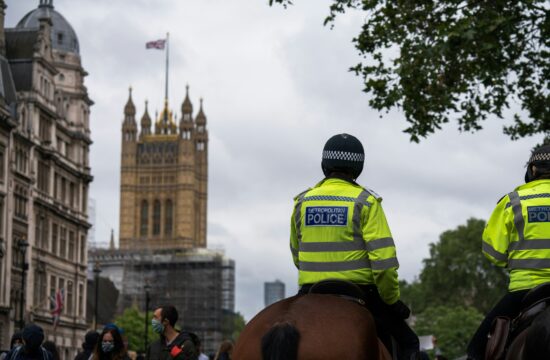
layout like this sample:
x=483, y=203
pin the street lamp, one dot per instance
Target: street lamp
x=147, y=288
x=96, y=270
x=22, y=245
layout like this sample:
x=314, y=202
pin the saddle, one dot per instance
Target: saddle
x=508, y=335
x=341, y=288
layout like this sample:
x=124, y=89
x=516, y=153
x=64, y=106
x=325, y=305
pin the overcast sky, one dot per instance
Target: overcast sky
x=275, y=87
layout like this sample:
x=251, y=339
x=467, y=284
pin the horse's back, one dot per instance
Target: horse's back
x=329, y=327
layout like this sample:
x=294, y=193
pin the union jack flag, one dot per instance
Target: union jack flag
x=57, y=306
x=157, y=44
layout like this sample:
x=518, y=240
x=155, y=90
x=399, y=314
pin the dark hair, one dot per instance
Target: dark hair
x=169, y=313
x=118, y=353
x=50, y=346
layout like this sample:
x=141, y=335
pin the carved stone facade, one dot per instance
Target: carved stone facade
x=164, y=173
x=44, y=178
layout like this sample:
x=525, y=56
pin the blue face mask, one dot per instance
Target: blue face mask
x=107, y=346
x=157, y=326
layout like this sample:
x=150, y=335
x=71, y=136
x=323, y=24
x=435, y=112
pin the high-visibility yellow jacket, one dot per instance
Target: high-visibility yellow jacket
x=517, y=235
x=339, y=231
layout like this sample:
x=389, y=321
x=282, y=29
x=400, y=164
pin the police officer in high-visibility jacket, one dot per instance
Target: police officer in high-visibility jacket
x=339, y=231
x=517, y=237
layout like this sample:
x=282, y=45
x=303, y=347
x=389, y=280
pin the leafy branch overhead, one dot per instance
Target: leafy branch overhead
x=463, y=60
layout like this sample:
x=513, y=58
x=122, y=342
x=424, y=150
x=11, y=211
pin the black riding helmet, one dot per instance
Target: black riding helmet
x=540, y=157
x=343, y=153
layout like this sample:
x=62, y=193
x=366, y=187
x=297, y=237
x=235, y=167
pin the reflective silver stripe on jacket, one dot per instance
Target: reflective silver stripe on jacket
x=332, y=246
x=298, y=216
x=519, y=221
x=356, y=220
x=531, y=244
x=334, y=266
x=358, y=264
x=380, y=244
x=529, y=263
x=384, y=264
x=293, y=251
x=491, y=251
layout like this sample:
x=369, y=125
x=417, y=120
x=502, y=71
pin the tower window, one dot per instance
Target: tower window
x=144, y=218
x=156, y=218
x=168, y=219
x=60, y=38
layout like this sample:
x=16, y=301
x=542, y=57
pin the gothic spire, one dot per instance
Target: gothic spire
x=201, y=118
x=130, y=109
x=146, y=121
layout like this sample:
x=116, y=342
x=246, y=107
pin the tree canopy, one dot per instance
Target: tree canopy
x=457, y=273
x=455, y=60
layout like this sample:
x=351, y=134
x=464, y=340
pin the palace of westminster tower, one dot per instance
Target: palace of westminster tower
x=163, y=187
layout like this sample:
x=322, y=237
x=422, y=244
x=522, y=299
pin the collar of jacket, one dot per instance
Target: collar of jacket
x=532, y=184
x=337, y=178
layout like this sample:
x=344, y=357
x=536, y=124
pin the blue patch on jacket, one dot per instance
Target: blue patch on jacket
x=538, y=213
x=327, y=216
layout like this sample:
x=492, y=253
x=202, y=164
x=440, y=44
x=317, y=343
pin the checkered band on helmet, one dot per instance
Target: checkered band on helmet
x=540, y=157
x=343, y=155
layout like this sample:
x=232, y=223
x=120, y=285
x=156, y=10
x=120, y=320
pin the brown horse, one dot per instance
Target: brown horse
x=311, y=327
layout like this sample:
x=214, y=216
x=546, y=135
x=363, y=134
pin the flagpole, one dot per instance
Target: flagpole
x=167, y=57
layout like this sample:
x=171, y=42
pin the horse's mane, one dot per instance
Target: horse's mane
x=281, y=343
x=537, y=344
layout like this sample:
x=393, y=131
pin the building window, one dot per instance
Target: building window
x=168, y=217
x=72, y=246
x=63, y=242
x=44, y=130
x=80, y=300
x=52, y=289
x=21, y=160
x=20, y=199
x=62, y=287
x=54, y=249
x=43, y=177
x=82, y=249
x=144, y=218
x=70, y=303
x=156, y=218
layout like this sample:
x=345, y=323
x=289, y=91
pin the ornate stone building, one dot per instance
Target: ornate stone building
x=44, y=177
x=164, y=175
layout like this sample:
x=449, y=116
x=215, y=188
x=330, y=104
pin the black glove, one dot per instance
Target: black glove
x=400, y=309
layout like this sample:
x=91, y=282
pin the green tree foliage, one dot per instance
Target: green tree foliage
x=452, y=326
x=457, y=273
x=461, y=60
x=232, y=325
x=132, y=321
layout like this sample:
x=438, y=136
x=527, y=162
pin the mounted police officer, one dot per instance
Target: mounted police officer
x=517, y=236
x=339, y=231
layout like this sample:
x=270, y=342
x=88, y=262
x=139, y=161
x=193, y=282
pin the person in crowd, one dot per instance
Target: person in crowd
x=198, y=344
x=224, y=351
x=339, y=231
x=517, y=237
x=172, y=344
x=32, y=337
x=50, y=346
x=16, y=341
x=90, y=340
x=110, y=346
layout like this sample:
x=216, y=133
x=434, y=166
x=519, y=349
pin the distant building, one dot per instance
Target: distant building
x=44, y=177
x=273, y=292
